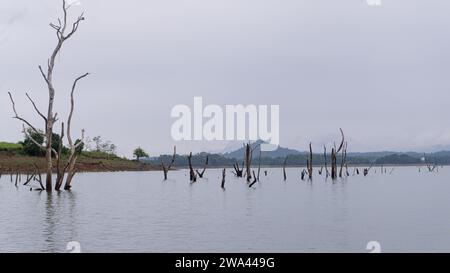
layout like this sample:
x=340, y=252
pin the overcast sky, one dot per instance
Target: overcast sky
x=381, y=73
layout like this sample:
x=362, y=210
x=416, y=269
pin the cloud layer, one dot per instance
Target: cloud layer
x=381, y=73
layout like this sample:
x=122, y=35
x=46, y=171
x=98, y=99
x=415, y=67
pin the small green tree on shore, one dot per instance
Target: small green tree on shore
x=139, y=152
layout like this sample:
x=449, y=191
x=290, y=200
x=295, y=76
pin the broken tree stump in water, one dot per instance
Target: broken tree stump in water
x=165, y=168
x=223, y=178
x=192, y=175
x=238, y=171
x=200, y=174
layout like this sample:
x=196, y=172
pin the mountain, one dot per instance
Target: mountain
x=279, y=152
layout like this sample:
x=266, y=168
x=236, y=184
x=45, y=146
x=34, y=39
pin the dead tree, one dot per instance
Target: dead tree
x=248, y=161
x=254, y=180
x=223, y=178
x=59, y=172
x=73, y=146
x=192, y=175
x=325, y=160
x=238, y=172
x=366, y=170
x=343, y=159
x=309, y=163
x=39, y=177
x=63, y=32
x=165, y=168
x=334, y=153
x=200, y=174
x=302, y=176
x=284, y=168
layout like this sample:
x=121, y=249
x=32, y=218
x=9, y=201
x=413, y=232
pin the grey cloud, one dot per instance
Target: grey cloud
x=378, y=72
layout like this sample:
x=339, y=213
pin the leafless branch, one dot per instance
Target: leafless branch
x=43, y=75
x=72, y=105
x=20, y=118
x=342, y=141
x=35, y=108
x=32, y=139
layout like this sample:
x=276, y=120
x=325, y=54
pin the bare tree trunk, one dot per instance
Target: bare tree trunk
x=70, y=167
x=192, y=175
x=259, y=164
x=309, y=162
x=59, y=172
x=167, y=169
x=325, y=160
x=303, y=174
x=238, y=171
x=333, y=164
x=51, y=117
x=223, y=178
x=248, y=161
x=334, y=153
x=71, y=172
x=284, y=168
x=200, y=174
x=254, y=180
x=342, y=163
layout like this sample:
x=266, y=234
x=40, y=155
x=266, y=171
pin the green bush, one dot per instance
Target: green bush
x=32, y=149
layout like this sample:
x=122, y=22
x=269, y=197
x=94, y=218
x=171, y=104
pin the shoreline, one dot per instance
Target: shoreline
x=13, y=164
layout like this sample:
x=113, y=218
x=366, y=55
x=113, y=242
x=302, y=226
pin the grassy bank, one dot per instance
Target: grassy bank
x=12, y=160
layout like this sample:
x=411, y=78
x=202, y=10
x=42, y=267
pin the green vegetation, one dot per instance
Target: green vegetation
x=96, y=148
x=10, y=147
x=139, y=152
x=100, y=157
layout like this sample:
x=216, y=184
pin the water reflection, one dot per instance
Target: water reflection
x=139, y=212
x=49, y=224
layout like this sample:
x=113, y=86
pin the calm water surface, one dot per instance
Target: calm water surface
x=138, y=212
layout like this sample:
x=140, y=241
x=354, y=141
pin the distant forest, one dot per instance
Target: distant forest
x=376, y=158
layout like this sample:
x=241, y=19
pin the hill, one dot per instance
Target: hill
x=279, y=152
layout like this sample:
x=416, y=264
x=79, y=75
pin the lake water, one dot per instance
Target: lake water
x=138, y=212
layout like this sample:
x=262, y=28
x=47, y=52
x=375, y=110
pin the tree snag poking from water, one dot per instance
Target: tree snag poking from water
x=237, y=171
x=165, y=168
x=254, y=180
x=334, y=153
x=325, y=161
x=192, y=175
x=248, y=161
x=64, y=31
x=200, y=174
x=343, y=160
x=59, y=171
x=73, y=145
x=223, y=178
x=309, y=162
x=284, y=168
